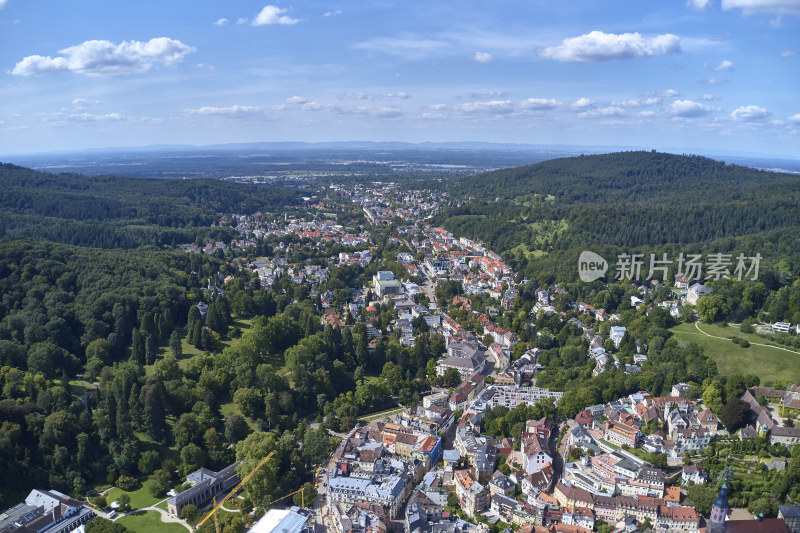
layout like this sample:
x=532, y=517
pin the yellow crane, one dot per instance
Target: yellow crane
x=217, y=506
x=302, y=497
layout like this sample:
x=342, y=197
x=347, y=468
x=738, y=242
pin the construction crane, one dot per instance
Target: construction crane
x=217, y=506
x=302, y=497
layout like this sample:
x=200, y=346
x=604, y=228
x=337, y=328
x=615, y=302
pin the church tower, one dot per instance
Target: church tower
x=719, y=511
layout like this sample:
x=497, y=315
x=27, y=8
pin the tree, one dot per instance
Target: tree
x=187, y=429
x=235, y=428
x=261, y=486
x=713, y=308
x=713, y=397
x=702, y=496
x=308, y=495
x=176, y=344
x=193, y=457
x=150, y=349
x=316, y=445
x=451, y=378
x=149, y=461
x=137, y=347
x=190, y=513
x=124, y=502
x=734, y=414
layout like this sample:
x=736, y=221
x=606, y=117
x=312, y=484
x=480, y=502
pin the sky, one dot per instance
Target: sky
x=697, y=75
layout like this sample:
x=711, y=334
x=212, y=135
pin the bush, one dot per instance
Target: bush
x=190, y=513
x=100, y=501
x=744, y=343
x=747, y=326
x=127, y=483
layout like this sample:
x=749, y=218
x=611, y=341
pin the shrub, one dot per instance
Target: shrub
x=127, y=483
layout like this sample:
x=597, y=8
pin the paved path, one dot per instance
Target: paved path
x=697, y=325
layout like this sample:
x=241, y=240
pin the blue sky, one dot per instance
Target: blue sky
x=701, y=75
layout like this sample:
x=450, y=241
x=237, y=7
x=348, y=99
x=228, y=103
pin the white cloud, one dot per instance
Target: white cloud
x=725, y=65
x=788, y=53
x=296, y=100
x=638, y=102
x=242, y=20
x=540, y=104
x=82, y=117
x=583, y=103
x=234, y=111
x=104, y=58
x=600, y=46
x=688, y=109
x=750, y=113
x=669, y=93
x=698, y=4
x=482, y=57
x=791, y=7
x=221, y=22
x=487, y=94
x=646, y=114
x=332, y=13
x=370, y=111
x=492, y=106
x=3, y=3
x=400, y=95
x=273, y=15
x=708, y=97
x=83, y=102
x=312, y=106
x=716, y=81
x=409, y=47
x=353, y=96
x=794, y=119
x=603, y=112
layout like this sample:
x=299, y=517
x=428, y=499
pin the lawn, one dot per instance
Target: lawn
x=768, y=363
x=149, y=522
x=382, y=414
x=139, y=498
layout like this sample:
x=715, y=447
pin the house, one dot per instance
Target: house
x=694, y=474
x=707, y=420
x=621, y=434
x=681, y=282
x=500, y=484
x=472, y=496
x=677, y=518
x=616, y=334
x=782, y=327
x=535, y=452
x=696, y=291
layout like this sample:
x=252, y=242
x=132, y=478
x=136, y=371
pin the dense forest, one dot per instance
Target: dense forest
x=115, y=212
x=633, y=201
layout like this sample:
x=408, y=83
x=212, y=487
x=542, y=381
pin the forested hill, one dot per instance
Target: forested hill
x=633, y=177
x=624, y=200
x=116, y=212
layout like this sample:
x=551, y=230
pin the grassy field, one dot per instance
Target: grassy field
x=768, y=363
x=382, y=414
x=139, y=498
x=149, y=522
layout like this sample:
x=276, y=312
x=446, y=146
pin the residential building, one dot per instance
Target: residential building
x=473, y=496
